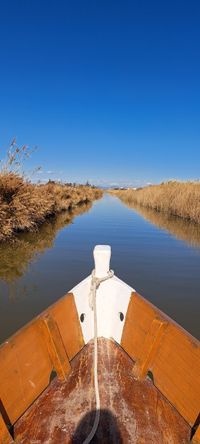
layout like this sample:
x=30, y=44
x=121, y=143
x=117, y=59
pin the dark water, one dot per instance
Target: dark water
x=157, y=255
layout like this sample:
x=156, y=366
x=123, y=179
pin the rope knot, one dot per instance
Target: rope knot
x=95, y=284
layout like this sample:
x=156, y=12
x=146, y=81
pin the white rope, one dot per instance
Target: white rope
x=95, y=283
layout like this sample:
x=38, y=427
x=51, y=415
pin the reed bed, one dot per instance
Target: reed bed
x=24, y=206
x=15, y=257
x=174, y=198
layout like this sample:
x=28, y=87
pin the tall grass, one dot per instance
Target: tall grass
x=24, y=205
x=16, y=256
x=175, y=198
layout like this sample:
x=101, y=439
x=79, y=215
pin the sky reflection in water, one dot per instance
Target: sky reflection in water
x=157, y=255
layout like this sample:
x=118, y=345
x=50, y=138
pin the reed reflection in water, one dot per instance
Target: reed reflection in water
x=186, y=231
x=16, y=257
x=146, y=253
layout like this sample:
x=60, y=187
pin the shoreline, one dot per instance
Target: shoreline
x=180, y=199
x=25, y=206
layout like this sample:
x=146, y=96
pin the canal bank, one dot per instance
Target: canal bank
x=161, y=267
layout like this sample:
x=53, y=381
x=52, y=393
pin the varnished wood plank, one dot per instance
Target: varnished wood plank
x=176, y=371
x=65, y=314
x=176, y=363
x=25, y=363
x=25, y=369
x=196, y=437
x=55, y=346
x=138, y=321
x=132, y=411
x=149, y=349
x=5, y=437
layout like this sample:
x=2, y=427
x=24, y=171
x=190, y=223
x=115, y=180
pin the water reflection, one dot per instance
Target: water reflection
x=183, y=230
x=42, y=267
x=16, y=257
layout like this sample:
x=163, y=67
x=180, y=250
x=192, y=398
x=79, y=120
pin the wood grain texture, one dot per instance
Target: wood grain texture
x=5, y=437
x=26, y=361
x=55, y=346
x=196, y=437
x=132, y=411
x=65, y=314
x=25, y=369
x=150, y=346
x=176, y=361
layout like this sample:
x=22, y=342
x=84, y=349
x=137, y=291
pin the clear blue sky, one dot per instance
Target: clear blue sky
x=107, y=90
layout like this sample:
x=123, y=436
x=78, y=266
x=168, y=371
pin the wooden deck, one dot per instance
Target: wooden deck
x=132, y=411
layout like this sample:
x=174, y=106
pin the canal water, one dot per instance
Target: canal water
x=157, y=255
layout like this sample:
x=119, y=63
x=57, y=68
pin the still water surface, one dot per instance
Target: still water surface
x=157, y=255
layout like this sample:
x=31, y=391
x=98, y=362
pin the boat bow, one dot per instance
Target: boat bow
x=112, y=300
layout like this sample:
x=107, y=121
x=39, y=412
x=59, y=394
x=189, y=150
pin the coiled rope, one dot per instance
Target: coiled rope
x=95, y=283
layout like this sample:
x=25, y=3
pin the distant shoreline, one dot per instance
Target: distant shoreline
x=175, y=198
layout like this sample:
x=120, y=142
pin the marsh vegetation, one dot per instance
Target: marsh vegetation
x=16, y=257
x=24, y=205
x=174, y=198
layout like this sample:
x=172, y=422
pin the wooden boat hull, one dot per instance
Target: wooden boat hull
x=128, y=413
x=140, y=343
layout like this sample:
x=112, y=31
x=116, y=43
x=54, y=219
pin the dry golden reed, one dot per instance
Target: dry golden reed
x=24, y=205
x=16, y=256
x=175, y=198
